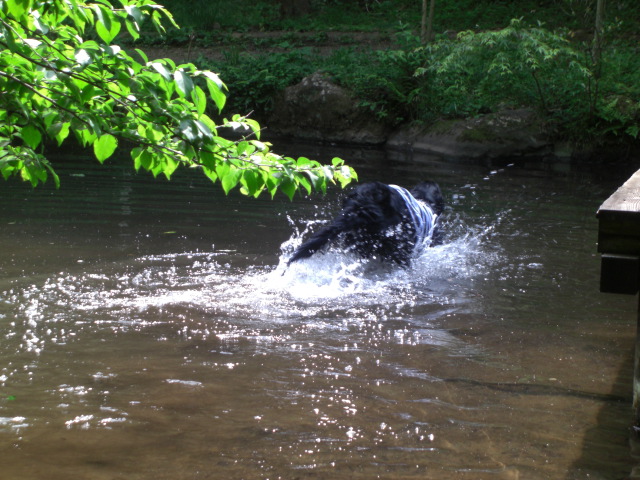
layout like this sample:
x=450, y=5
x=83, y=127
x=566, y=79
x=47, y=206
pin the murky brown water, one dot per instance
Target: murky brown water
x=150, y=331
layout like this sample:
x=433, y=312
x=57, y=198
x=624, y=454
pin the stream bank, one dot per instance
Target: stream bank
x=320, y=111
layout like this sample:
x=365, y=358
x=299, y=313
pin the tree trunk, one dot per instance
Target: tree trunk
x=426, y=30
x=294, y=8
x=597, y=35
x=423, y=24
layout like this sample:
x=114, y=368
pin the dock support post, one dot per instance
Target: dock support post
x=636, y=374
x=619, y=246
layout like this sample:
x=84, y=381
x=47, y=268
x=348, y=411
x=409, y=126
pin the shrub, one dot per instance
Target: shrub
x=473, y=73
x=253, y=81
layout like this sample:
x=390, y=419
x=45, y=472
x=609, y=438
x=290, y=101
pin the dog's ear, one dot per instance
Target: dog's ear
x=430, y=193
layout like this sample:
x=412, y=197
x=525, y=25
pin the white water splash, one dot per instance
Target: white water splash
x=180, y=288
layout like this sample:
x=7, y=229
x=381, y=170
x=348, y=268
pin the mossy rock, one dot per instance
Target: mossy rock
x=510, y=133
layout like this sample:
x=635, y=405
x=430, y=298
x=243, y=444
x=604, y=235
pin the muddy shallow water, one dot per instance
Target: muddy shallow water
x=150, y=330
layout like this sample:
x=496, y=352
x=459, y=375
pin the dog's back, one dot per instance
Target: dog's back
x=375, y=223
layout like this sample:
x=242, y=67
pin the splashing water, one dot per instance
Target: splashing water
x=342, y=275
x=205, y=288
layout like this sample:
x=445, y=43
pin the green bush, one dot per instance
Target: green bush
x=253, y=81
x=515, y=66
x=238, y=15
x=467, y=75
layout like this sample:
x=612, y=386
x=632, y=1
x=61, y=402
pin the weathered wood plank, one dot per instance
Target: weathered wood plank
x=625, y=199
x=619, y=220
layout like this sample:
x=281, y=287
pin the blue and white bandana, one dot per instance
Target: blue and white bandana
x=422, y=216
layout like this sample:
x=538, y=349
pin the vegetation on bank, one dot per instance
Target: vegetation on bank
x=486, y=56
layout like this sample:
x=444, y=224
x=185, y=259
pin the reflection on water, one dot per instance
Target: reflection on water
x=152, y=330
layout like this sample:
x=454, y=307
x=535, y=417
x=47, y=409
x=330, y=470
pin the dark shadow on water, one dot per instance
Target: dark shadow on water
x=607, y=446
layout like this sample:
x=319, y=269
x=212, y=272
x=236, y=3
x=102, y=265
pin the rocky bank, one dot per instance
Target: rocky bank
x=316, y=109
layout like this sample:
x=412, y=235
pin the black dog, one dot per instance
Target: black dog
x=382, y=221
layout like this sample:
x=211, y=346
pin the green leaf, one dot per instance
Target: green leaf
x=199, y=100
x=169, y=165
x=204, y=130
x=133, y=29
x=210, y=174
x=108, y=25
x=189, y=130
x=59, y=131
x=184, y=83
x=104, y=146
x=17, y=8
x=252, y=183
x=288, y=188
x=135, y=13
x=305, y=183
x=319, y=182
x=255, y=127
x=229, y=176
x=141, y=158
x=31, y=136
x=33, y=170
x=215, y=86
x=161, y=69
x=41, y=27
x=56, y=179
x=208, y=161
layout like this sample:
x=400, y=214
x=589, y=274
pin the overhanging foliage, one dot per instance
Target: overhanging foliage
x=61, y=76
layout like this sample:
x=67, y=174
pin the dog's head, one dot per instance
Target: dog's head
x=430, y=193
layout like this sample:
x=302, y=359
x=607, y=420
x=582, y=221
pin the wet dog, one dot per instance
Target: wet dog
x=380, y=221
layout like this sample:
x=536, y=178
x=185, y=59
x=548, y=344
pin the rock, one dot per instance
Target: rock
x=319, y=110
x=510, y=133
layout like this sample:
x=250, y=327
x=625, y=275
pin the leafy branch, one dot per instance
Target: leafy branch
x=72, y=81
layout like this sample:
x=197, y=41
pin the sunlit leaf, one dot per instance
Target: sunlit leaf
x=184, y=83
x=31, y=136
x=162, y=70
x=59, y=131
x=135, y=12
x=104, y=147
x=199, y=100
x=169, y=165
x=215, y=86
x=108, y=26
x=252, y=183
x=18, y=8
x=211, y=174
x=288, y=188
x=229, y=177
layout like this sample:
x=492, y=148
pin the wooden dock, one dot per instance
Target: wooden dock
x=619, y=246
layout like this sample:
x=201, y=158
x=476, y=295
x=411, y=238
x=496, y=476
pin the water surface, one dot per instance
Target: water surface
x=150, y=330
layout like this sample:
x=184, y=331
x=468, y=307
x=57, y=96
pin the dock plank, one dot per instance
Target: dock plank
x=625, y=199
x=619, y=220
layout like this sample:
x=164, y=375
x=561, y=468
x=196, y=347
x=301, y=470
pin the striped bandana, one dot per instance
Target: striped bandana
x=422, y=216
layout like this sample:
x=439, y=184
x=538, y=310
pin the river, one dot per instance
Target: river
x=150, y=330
